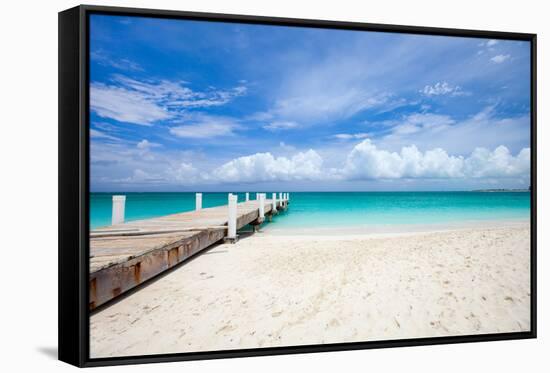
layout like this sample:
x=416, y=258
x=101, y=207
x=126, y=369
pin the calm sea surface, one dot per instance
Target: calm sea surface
x=316, y=209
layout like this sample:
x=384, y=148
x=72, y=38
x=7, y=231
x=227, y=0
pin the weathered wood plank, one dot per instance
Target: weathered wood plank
x=123, y=256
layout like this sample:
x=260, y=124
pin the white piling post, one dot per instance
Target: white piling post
x=118, y=209
x=232, y=217
x=274, y=206
x=247, y=196
x=198, y=201
x=262, y=207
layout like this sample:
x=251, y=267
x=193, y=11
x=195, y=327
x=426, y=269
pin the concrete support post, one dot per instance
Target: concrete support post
x=262, y=207
x=198, y=201
x=118, y=209
x=232, y=217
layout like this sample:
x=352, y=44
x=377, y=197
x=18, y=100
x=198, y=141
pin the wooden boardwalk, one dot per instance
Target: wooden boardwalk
x=125, y=255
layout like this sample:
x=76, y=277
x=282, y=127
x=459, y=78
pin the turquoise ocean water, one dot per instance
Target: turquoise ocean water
x=317, y=209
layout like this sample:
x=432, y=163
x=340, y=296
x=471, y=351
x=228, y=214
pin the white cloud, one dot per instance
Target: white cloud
x=216, y=98
x=96, y=134
x=458, y=136
x=280, y=125
x=322, y=105
x=118, y=164
x=366, y=161
x=492, y=43
x=498, y=163
x=206, y=127
x=102, y=58
x=146, y=144
x=443, y=88
x=185, y=173
x=351, y=136
x=265, y=167
x=148, y=101
x=500, y=58
x=124, y=105
x=421, y=122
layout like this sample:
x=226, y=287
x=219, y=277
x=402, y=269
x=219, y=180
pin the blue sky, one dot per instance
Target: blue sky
x=182, y=105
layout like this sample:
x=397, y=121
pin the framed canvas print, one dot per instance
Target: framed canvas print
x=238, y=185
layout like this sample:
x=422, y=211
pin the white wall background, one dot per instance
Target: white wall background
x=28, y=169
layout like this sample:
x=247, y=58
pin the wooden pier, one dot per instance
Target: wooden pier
x=125, y=255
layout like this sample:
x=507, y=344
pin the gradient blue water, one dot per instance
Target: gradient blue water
x=316, y=209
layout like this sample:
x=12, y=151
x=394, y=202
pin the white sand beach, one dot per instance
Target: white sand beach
x=277, y=289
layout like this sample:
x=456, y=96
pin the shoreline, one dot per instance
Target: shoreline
x=269, y=290
x=382, y=230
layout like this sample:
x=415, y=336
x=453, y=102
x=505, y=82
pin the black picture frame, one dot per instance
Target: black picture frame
x=74, y=185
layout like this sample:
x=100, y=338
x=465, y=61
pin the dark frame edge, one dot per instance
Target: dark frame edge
x=534, y=188
x=71, y=268
x=307, y=22
x=73, y=188
x=271, y=351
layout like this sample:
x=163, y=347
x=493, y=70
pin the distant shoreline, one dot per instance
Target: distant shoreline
x=502, y=190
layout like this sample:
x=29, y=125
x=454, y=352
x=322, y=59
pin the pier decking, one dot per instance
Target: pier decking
x=125, y=255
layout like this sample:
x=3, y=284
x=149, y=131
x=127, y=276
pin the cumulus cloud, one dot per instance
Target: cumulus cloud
x=500, y=58
x=366, y=161
x=265, y=167
x=443, y=88
x=498, y=163
x=146, y=164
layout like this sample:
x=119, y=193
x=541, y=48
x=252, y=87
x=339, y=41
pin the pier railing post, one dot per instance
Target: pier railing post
x=232, y=218
x=274, y=205
x=262, y=206
x=247, y=196
x=118, y=209
x=198, y=201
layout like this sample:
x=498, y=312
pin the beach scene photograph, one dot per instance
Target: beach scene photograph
x=259, y=186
